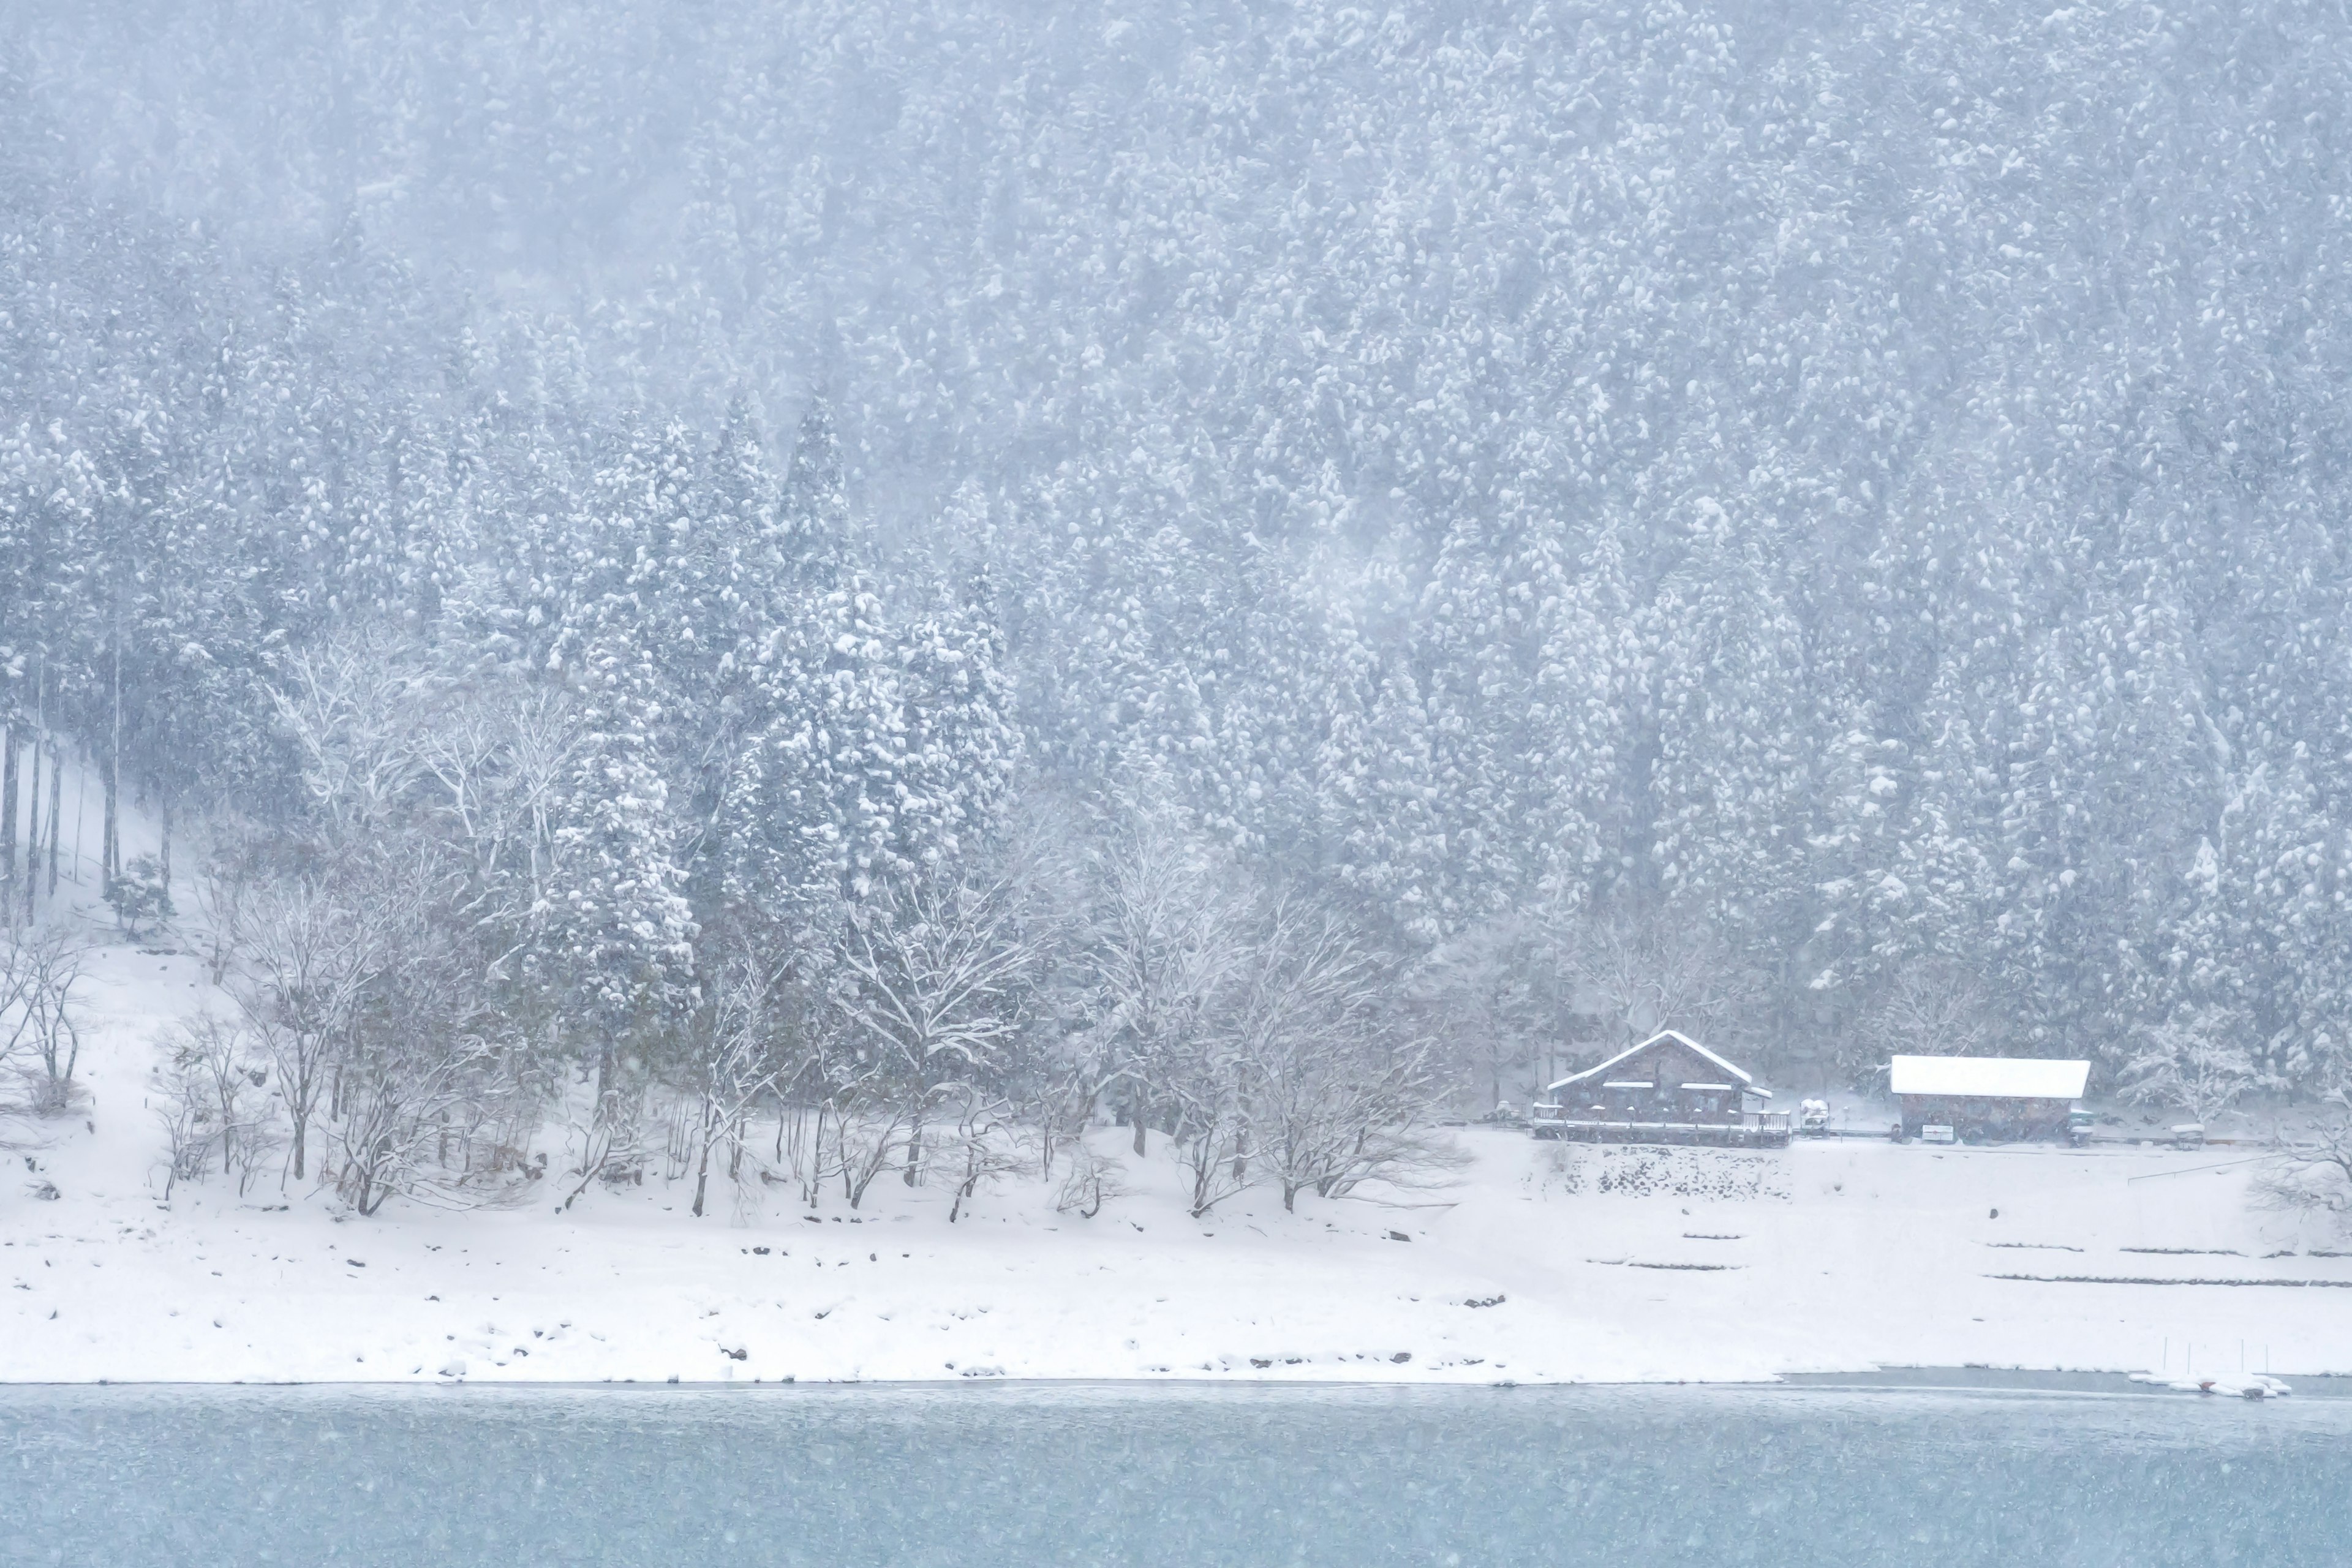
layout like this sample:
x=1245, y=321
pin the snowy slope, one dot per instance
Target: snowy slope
x=1732, y=1267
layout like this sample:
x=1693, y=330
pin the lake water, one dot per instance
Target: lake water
x=1019, y=1475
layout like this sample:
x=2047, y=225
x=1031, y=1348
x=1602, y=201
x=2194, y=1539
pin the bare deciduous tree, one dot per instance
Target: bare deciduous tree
x=1338, y=1089
x=1498, y=996
x=41, y=968
x=1092, y=1180
x=1160, y=938
x=728, y=1062
x=431, y=1104
x=347, y=704
x=1931, y=1008
x=2313, y=1171
x=934, y=991
x=1635, y=976
x=214, y=1072
x=312, y=946
x=2196, y=1061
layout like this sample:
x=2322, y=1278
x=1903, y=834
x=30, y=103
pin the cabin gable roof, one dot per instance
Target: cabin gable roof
x=1738, y=1077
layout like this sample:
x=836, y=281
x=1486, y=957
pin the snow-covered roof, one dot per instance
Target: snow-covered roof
x=1676, y=1036
x=1988, y=1077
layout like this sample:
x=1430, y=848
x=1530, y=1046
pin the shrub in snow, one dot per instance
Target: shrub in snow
x=140, y=895
x=1090, y=1181
x=215, y=1109
x=40, y=1014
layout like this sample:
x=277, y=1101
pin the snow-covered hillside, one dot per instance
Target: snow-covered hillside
x=1546, y=1262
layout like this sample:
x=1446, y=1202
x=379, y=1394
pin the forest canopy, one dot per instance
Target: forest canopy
x=1824, y=525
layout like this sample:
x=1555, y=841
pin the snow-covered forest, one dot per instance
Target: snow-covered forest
x=887, y=573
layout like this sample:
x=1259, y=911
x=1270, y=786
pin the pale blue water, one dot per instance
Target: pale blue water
x=118, y=1478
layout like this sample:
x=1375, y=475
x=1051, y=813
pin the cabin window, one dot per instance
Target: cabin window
x=1628, y=1098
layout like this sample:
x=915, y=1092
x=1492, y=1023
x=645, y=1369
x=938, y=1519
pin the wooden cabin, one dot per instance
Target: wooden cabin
x=1668, y=1089
x=1986, y=1100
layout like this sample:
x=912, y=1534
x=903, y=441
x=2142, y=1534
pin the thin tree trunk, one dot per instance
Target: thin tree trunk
x=56, y=801
x=813, y=1188
x=45, y=741
x=110, y=844
x=33, y=823
x=702, y=1167
x=8, y=742
x=81, y=811
x=165, y=869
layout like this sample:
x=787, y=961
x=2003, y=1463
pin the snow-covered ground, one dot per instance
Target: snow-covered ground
x=1540, y=1264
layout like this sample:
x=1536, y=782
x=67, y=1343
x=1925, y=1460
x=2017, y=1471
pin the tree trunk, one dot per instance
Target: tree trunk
x=702, y=1169
x=44, y=742
x=33, y=823
x=107, y=864
x=9, y=739
x=814, y=1187
x=113, y=846
x=1134, y=1114
x=56, y=801
x=81, y=815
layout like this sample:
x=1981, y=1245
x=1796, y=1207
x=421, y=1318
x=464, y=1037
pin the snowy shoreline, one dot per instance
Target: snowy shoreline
x=1519, y=1282
x=1543, y=1263
x=1920, y=1380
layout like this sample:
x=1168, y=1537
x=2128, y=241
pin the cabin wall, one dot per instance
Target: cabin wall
x=1665, y=1067
x=1986, y=1117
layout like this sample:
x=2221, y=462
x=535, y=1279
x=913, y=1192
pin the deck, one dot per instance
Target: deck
x=1769, y=1130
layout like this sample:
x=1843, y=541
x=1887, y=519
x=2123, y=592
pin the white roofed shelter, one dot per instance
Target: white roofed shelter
x=1986, y=1098
x=2002, y=1078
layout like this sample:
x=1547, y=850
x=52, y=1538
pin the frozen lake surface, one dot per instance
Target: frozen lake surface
x=1117, y=1474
